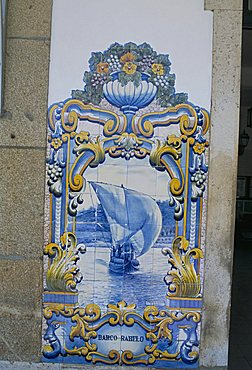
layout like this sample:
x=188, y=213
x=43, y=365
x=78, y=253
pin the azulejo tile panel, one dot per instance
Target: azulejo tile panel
x=126, y=175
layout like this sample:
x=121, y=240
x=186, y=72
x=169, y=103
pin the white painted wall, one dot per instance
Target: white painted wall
x=180, y=28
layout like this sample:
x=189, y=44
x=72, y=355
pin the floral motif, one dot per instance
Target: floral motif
x=125, y=63
x=121, y=309
x=129, y=68
x=63, y=275
x=128, y=57
x=183, y=280
x=128, y=146
x=158, y=69
x=199, y=148
x=56, y=143
x=102, y=67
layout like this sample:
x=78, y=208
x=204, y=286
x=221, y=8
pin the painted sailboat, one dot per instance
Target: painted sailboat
x=135, y=222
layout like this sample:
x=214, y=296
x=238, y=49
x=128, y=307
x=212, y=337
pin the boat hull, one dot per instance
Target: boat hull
x=119, y=267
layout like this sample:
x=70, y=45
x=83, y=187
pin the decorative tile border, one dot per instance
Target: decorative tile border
x=125, y=211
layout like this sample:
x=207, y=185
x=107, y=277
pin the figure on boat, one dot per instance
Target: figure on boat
x=135, y=222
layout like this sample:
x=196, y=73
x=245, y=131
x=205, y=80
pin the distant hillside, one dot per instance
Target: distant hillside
x=93, y=215
x=168, y=222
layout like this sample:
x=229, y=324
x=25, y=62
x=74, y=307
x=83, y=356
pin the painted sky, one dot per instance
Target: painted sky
x=132, y=174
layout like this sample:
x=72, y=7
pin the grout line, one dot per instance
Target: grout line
x=32, y=38
x=18, y=257
x=22, y=147
x=12, y=257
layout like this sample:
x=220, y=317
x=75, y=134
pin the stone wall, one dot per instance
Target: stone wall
x=22, y=151
x=222, y=179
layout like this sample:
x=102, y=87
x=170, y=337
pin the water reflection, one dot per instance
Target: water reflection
x=144, y=287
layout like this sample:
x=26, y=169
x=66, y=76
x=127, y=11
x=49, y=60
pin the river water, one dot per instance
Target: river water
x=144, y=287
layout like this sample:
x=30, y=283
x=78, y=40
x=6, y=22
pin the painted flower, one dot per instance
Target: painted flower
x=56, y=143
x=128, y=57
x=199, y=148
x=132, y=63
x=102, y=67
x=158, y=69
x=129, y=68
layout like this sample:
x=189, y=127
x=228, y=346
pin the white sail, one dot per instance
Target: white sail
x=133, y=217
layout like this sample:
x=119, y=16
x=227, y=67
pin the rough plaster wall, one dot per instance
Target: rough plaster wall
x=22, y=153
x=222, y=180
